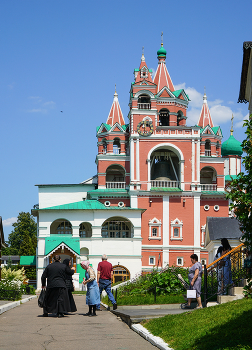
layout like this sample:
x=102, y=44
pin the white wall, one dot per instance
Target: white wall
x=62, y=194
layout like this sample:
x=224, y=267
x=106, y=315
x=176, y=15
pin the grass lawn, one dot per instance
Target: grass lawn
x=222, y=327
x=147, y=299
x=79, y=292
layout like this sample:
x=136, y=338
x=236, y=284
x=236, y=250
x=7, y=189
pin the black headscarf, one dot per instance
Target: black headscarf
x=66, y=262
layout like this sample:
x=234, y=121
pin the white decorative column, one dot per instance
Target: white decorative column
x=197, y=178
x=182, y=174
x=137, y=161
x=132, y=160
x=166, y=230
x=193, y=160
x=196, y=221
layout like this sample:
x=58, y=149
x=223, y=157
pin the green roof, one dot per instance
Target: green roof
x=213, y=192
x=107, y=126
x=28, y=260
x=166, y=189
x=54, y=241
x=125, y=126
x=231, y=147
x=178, y=92
x=230, y=177
x=88, y=204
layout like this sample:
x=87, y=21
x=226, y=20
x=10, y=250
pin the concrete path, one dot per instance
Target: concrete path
x=135, y=315
x=24, y=328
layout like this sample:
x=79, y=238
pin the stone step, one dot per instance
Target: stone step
x=235, y=291
x=221, y=299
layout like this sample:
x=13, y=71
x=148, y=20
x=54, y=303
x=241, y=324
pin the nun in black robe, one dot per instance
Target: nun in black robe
x=69, y=284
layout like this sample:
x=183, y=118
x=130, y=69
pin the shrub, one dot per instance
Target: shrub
x=164, y=281
x=10, y=290
x=12, y=284
x=9, y=274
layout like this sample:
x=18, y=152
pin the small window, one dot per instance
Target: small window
x=107, y=204
x=216, y=208
x=154, y=232
x=176, y=232
x=180, y=261
x=151, y=260
x=206, y=207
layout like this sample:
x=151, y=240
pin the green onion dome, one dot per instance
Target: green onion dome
x=161, y=51
x=231, y=147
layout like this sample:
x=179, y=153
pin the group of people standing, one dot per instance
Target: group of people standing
x=59, y=299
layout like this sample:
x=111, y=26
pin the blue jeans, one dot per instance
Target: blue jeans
x=106, y=285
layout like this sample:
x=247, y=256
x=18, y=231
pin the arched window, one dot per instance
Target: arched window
x=207, y=148
x=116, y=229
x=179, y=118
x=165, y=168
x=104, y=146
x=115, y=177
x=61, y=227
x=208, y=179
x=116, y=146
x=85, y=230
x=144, y=102
x=164, y=117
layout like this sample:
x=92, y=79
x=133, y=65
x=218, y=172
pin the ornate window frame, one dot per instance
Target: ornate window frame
x=179, y=225
x=155, y=224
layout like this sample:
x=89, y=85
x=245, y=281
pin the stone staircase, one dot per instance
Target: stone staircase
x=234, y=293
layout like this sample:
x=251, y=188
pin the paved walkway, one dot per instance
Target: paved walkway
x=24, y=328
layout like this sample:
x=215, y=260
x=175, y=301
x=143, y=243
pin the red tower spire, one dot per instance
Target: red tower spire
x=162, y=77
x=205, y=116
x=143, y=73
x=115, y=114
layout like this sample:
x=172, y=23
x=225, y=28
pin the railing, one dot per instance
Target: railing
x=208, y=187
x=160, y=183
x=115, y=184
x=207, y=153
x=222, y=273
x=144, y=105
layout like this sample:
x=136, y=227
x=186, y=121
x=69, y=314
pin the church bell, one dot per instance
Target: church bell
x=162, y=171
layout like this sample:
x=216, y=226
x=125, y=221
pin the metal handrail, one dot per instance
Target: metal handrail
x=215, y=281
x=223, y=256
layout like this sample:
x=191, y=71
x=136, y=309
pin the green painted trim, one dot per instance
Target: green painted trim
x=166, y=189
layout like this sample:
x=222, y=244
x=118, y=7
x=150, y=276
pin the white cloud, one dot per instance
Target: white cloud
x=240, y=123
x=49, y=103
x=37, y=110
x=34, y=97
x=153, y=73
x=220, y=112
x=9, y=222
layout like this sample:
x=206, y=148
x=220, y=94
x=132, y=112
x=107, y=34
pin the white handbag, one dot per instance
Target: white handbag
x=191, y=293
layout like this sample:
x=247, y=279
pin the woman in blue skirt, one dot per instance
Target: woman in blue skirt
x=93, y=294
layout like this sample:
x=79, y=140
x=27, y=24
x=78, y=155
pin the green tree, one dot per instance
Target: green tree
x=240, y=191
x=27, y=247
x=23, y=238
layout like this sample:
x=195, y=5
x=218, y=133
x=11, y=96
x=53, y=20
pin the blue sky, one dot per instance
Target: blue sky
x=67, y=56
